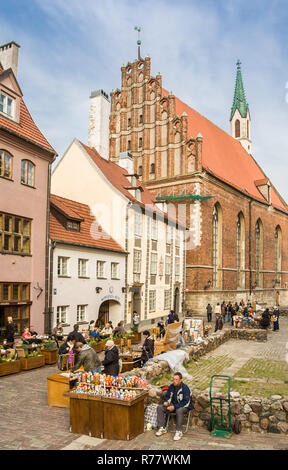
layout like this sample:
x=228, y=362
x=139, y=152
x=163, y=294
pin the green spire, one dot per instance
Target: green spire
x=239, y=101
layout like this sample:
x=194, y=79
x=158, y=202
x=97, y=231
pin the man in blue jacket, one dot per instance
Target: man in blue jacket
x=179, y=401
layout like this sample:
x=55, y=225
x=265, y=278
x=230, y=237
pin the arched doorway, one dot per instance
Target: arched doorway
x=110, y=310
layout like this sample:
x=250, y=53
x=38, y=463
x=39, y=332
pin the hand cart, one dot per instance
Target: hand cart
x=219, y=427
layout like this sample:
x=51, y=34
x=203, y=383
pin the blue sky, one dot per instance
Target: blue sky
x=71, y=47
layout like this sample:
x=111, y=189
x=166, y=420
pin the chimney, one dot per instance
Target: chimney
x=126, y=161
x=9, y=56
x=98, y=134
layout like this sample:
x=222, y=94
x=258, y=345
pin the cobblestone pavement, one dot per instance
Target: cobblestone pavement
x=27, y=422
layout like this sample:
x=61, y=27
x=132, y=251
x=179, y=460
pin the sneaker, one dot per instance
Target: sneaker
x=178, y=435
x=161, y=431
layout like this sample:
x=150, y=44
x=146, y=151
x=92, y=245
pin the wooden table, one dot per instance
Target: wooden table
x=107, y=418
x=58, y=384
x=130, y=362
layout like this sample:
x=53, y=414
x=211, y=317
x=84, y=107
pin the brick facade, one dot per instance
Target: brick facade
x=144, y=122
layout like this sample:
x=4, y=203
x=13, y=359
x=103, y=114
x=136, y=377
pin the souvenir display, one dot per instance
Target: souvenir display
x=193, y=330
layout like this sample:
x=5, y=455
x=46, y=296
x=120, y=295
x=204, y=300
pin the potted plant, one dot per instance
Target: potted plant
x=32, y=360
x=9, y=366
x=49, y=351
x=97, y=345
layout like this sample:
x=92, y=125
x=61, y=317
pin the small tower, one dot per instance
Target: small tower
x=240, y=114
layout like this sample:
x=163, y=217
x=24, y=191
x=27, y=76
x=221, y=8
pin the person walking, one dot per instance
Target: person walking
x=209, y=313
x=223, y=310
x=147, y=348
x=136, y=321
x=219, y=321
x=276, y=318
x=177, y=400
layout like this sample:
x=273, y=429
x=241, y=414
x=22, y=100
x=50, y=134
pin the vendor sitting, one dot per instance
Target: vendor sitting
x=179, y=401
x=27, y=337
x=57, y=333
x=107, y=331
x=87, y=358
x=34, y=335
x=119, y=330
x=66, y=348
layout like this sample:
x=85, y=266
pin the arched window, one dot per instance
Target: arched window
x=217, y=246
x=140, y=142
x=237, y=128
x=5, y=164
x=240, y=250
x=152, y=168
x=258, y=254
x=278, y=254
x=27, y=172
x=140, y=170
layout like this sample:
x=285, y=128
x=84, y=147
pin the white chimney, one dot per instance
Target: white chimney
x=9, y=56
x=98, y=135
x=126, y=161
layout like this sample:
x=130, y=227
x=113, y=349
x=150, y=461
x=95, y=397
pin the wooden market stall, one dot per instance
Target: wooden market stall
x=107, y=418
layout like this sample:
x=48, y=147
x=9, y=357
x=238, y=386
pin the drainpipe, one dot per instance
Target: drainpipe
x=47, y=319
x=51, y=266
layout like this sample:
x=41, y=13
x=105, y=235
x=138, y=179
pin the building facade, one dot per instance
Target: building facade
x=25, y=159
x=87, y=268
x=126, y=210
x=236, y=241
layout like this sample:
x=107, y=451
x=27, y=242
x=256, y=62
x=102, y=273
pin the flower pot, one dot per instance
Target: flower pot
x=28, y=363
x=50, y=355
x=10, y=367
x=98, y=347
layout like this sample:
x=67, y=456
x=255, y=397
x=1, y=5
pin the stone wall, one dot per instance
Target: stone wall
x=255, y=413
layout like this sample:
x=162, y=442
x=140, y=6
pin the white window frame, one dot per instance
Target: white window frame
x=61, y=264
x=82, y=267
x=81, y=313
x=4, y=104
x=28, y=173
x=137, y=262
x=61, y=314
x=167, y=265
x=101, y=269
x=153, y=263
x=167, y=299
x=154, y=229
x=138, y=224
x=152, y=301
x=115, y=270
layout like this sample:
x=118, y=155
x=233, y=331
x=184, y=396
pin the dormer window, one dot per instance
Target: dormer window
x=6, y=104
x=73, y=226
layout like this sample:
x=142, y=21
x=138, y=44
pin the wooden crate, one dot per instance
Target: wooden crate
x=57, y=384
x=28, y=363
x=50, y=355
x=11, y=367
x=107, y=418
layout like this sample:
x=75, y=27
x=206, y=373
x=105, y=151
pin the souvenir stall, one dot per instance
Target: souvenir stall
x=193, y=330
x=107, y=407
x=131, y=359
x=170, y=339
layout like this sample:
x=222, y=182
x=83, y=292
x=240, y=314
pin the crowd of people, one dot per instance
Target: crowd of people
x=226, y=312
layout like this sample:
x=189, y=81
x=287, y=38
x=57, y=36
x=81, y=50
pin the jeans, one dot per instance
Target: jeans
x=98, y=369
x=162, y=415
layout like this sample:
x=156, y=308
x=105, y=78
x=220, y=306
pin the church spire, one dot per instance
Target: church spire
x=240, y=114
x=239, y=101
x=137, y=28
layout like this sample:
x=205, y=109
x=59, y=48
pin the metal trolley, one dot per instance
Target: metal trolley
x=218, y=426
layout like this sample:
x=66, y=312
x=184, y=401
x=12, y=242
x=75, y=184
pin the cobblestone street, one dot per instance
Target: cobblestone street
x=28, y=423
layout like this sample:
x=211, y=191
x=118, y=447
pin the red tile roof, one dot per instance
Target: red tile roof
x=26, y=127
x=225, y=156
x=91, y=233
x=118, y=178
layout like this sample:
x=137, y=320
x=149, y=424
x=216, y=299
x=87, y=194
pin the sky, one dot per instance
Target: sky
x=71, y=47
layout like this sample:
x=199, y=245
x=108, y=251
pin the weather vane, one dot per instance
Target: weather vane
x=137, y=28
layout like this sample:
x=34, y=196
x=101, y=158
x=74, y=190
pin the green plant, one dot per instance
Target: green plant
x=93, y=341
x=33, y=354
x=50, y=344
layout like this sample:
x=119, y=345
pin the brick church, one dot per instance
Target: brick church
x=236, y=220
